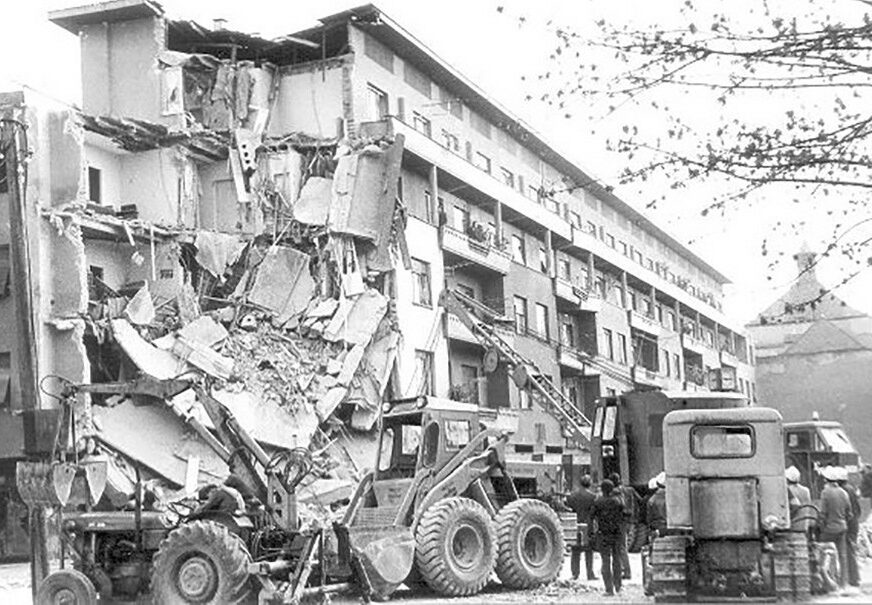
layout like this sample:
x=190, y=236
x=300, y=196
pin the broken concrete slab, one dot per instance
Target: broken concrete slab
x=200, y=355
x=140, y=309
x=313, y=205
x=328, y=404
x=283, y=283
x=325, y=491
x=217, y=251
x=204, y=330
x=268, y=422
x=361, y=322
x=148, y=358
x=350, y=365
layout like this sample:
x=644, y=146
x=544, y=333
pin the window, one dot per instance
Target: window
x=459, y=218
x=608, y=345
x=450, y=141
x=521, y=187
x=457, y=433
x=676, y=365
x=622, y=348
x=421, y=124
x=519, y=253
x=94, y=185
x=534, y=194
x=421, y=283
x=469, y=375
x=634, y=301
x=508, y=177
x=482, y=162
x=567, y=334
x=565, y=269
x=610, y=240
x=575, y=220
x=707, y=441
x=637, y=256
x=451, y=104
x=600, y=286
x=428, y=207
x=543, y=260
x=670, y=321
x=665, y=369
x=622, y=247
x=377, y=103
x=424, y=372
x=520, y=315
x=542, y=322
x=649, y=264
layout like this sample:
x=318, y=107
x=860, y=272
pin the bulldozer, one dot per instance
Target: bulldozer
x=438, y=509
x=728, y=519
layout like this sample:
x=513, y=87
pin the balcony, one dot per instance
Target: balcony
x=694, y=344
x=644, y=376
x=646, y=324
x=471, y=249
x=577, y=296
x=574, y=359
x=457, y=331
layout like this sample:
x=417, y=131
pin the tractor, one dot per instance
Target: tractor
x=728, y=520
x=442, y=474
x=439, y=508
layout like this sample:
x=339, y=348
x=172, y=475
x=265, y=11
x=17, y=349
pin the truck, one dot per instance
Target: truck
x=439, y=508
x=728, y=520
x=813, y=444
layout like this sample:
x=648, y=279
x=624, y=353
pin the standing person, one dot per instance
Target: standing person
x=834, y=516
x=656, y=507
x=800, y=501
x=631, y=516
x=853, y=531
x=608, y=514
x=866, y=481
x=581, y=502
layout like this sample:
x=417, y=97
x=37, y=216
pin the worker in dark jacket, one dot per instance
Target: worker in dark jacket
x=656, y=508
x=632, y=503
x=853, y=531
x=581, y=502
x=834, y=517
x=608, y=516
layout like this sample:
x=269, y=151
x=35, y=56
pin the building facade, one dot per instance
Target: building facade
x=813, y=355
x=599, y=297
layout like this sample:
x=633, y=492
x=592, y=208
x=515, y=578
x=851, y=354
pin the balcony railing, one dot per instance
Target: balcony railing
x=576, y=295
x=646, y=324
x=477, y=250
x=573, y=358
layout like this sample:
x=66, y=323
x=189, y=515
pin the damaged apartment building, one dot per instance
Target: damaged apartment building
x=284, y=215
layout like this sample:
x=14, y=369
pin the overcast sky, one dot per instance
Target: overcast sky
x=493, y=51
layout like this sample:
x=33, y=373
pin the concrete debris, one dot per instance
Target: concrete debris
x=217, y=251
x=362, y=319
x=148, y=358
x=201, y=356
x=283, y=283
x=204, y=330
x=313, y=204
x=140, y=309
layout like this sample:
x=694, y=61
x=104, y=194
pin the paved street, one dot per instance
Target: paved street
x=15, y=590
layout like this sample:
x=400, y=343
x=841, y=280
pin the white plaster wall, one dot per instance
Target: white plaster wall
x=150, y=179
x=109, y=165
x=309, y=102
x=421, y=327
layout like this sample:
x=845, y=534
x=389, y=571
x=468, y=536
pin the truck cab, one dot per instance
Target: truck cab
x=814, y=444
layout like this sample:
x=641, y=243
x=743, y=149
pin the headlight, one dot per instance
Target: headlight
x=386, y=407
x=422, y=401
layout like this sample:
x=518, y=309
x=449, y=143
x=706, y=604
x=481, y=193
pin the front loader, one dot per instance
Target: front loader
x=440, y=479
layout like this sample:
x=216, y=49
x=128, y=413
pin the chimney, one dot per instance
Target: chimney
x=219, y=23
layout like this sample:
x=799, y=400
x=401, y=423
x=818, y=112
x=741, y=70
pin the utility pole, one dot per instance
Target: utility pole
x=12, y=135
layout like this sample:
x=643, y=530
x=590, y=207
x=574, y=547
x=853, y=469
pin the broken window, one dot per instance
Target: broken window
x=508, y=177
x=520, y=314
x=421, y=294
x=422, y=124
x=424, y=372
x=377, y=104
x=94, y=185
x=542, y=328
x=482, y=162
x=519, y=253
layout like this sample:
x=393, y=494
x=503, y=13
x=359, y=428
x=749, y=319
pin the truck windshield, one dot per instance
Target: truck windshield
x=598, y=422
x=609, y=424
x=836, y=440
x=711, y=441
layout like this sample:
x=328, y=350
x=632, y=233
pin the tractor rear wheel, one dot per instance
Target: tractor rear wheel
x=530, y=544
x=455, y=547
x=201, y=562
x=791, y=573
x=66, y=586
x=669, y=569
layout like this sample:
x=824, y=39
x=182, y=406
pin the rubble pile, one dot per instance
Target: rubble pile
x=294, y=327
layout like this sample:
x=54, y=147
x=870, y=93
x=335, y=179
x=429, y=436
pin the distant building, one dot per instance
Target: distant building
x=814, y=354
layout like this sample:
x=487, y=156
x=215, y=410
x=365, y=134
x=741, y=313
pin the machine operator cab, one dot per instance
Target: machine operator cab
x=813, y=444
x=719, y=461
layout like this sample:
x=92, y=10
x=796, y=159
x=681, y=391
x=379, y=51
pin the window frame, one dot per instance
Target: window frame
x=422, y=284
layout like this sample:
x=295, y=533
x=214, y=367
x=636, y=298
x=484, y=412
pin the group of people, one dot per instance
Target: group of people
x=836, y=521
x=605, y=518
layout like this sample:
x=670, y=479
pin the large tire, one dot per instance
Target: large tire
x=530, y=544
x=66, y=586
x=455, y=547
x=791, y=567
x=669, y=569
x=201, y=562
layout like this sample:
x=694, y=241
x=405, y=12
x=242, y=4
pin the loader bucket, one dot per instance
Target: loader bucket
x=60, y=483
x=386, y=554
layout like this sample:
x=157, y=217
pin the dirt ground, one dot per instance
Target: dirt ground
x=15, y=590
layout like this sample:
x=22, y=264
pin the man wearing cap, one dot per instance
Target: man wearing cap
x=853, y=529
x=834, y=516
x=608, y=516
x=800, y=501
x=632, y=503
x=581, y=502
